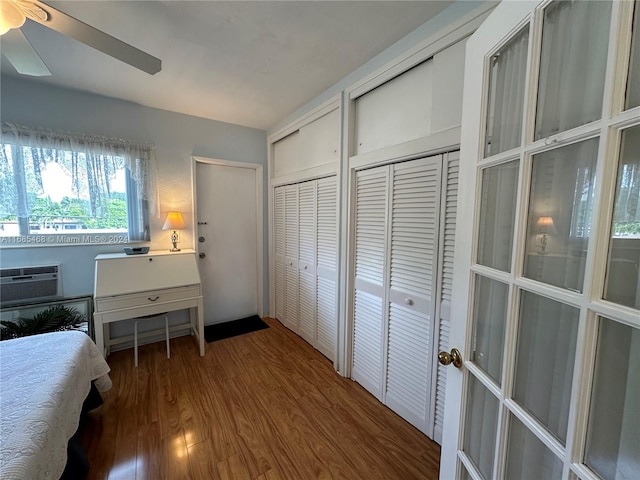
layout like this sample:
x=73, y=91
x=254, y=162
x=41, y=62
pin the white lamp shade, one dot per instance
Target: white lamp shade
x=174, y=221
x=545, y=225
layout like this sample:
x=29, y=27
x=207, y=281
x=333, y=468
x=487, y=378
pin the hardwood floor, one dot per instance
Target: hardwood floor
x=264, y=405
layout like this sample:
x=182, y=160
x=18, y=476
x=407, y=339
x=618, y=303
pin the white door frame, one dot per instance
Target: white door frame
x=259, y=214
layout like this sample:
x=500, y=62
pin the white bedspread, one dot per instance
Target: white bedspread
x=44, y=380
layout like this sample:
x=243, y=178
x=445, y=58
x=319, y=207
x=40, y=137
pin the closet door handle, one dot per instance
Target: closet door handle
x=454, y=357
x=408, y=301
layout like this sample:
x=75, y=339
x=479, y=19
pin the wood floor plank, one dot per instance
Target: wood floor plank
x=149, y=452
x=254, y=448
x=233, y=469
x=264, y=405
x=344, y=438
x=202, y=464
x=221, y=428
x=125, y=448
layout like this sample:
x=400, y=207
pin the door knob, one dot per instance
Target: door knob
x=201, y=239
x=201, y=255
x=454, y=357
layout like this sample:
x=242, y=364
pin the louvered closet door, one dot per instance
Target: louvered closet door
x=415, y=213
x=291, y=257
x=306, y=261
x=326, y=257
x=279, y=247
x=448, y=213
x=369, y=292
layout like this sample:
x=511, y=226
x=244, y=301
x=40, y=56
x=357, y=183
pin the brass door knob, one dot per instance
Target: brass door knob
x=454, y=357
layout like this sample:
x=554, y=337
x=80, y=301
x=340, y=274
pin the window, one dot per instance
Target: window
x=60, y=189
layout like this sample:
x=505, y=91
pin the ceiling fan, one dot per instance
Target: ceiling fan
x=17, y=49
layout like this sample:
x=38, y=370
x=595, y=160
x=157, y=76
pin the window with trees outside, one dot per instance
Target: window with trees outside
x=64, y=189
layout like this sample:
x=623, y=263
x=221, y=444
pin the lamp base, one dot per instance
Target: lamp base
x=543, y=244
x=174, y=242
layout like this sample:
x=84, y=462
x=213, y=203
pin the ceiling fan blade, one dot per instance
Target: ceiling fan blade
x=21, y=54
x=74, y=28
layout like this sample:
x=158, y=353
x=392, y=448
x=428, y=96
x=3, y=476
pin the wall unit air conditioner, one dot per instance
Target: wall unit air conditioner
x=24, y=284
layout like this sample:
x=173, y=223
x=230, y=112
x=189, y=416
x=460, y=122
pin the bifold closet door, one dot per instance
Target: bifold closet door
x=291, y=319
x=279, y=250
x=414, y=224
x=397, y=212
x=370, y=271
x=326, y=266
x=306, y=261
x=306, y=257
x=448, y=214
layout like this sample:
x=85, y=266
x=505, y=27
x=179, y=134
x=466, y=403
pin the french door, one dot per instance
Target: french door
x=546, y=295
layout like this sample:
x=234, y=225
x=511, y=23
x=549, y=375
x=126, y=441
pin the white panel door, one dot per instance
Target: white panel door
x=371, y=190
x=306, y=261
x=326, y=266
x=550, y=169
x=227, y=220
x=414, y=225
x=279, y=250
x=291, y=256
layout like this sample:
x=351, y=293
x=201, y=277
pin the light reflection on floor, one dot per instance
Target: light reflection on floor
x=124, y=470
x=180, y=447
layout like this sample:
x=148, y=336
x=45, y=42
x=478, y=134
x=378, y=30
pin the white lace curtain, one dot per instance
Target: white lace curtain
x=90, y=160
x=506, y=101
x=573, y=62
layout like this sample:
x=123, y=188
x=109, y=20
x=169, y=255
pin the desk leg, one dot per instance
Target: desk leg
x=201, y=326
x=107, y=339
x=98, y=328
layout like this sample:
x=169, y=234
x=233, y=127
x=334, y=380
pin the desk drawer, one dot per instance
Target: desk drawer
x=142, y=299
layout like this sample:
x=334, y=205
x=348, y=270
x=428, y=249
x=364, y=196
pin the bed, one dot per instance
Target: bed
x=44, y=380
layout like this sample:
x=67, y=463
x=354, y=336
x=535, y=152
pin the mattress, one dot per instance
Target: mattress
x=44, y=380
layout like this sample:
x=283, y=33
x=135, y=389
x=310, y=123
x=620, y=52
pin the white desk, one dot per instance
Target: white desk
x=130, y=286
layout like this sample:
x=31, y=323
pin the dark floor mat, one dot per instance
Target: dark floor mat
x=234, y=328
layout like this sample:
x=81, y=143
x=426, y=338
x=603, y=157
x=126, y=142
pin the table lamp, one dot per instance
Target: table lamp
x=174, y=222
x=545, y=226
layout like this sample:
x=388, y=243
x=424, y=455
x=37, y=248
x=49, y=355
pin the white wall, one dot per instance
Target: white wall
x=177, y=137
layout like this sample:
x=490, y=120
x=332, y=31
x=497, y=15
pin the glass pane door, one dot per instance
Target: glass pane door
x=572, y=66
x=613, y=434
x=623, y=269
x=559, y=216
x=545, y=357
x=552, y=355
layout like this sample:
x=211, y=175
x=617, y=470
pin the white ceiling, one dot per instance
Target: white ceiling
x=244, y=62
